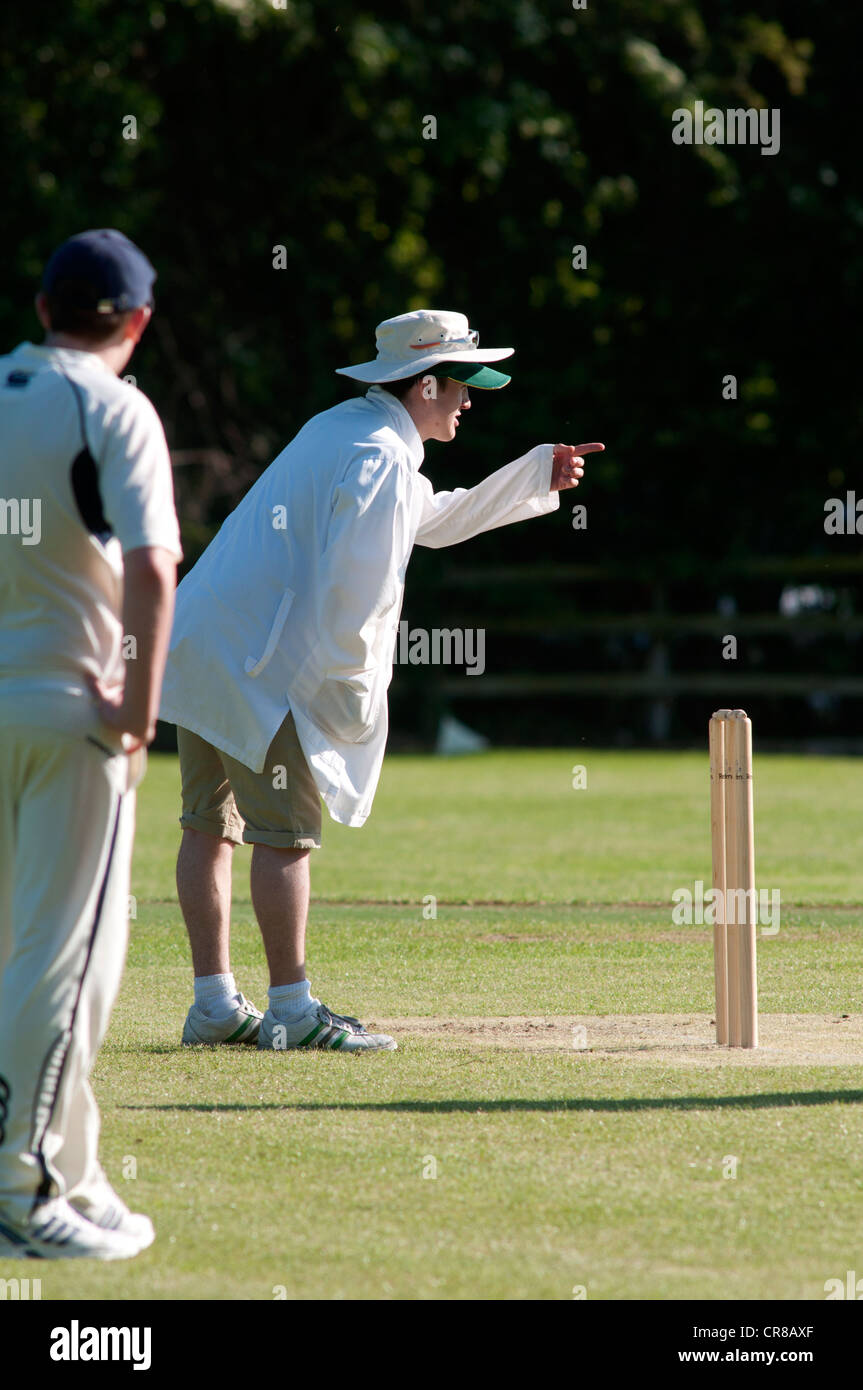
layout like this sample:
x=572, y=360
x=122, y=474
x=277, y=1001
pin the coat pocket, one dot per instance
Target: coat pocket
x=256, y=664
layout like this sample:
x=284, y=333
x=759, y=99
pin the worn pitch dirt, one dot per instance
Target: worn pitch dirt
x=684, y=1040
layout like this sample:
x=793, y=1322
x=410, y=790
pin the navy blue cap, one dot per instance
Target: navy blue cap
x=100, y=270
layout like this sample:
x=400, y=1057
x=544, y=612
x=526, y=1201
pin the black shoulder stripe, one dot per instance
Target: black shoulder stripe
x=80, y=404
x=85, y=480
x=88, y=498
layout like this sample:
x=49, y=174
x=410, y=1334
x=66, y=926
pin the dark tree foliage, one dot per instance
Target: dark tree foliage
x=303, y=127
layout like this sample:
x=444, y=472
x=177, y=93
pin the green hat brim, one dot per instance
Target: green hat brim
x=474, y=374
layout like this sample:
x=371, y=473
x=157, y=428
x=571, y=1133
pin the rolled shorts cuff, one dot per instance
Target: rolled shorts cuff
x=230, y=829
x=281, y=839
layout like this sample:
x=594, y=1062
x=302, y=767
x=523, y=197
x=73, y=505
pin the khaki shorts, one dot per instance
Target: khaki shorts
x=225, y=798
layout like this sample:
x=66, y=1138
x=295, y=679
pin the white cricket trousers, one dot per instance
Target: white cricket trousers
x=66, y=832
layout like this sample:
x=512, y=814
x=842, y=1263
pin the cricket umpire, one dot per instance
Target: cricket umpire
x=89, y=544
x=282, y=647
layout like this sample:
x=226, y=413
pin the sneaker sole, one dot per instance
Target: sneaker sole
x=391, y=1046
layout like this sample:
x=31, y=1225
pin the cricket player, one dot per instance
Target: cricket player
x=89, y=544
x=281, y=655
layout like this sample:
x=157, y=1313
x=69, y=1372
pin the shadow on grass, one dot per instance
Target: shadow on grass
x=768, y=1100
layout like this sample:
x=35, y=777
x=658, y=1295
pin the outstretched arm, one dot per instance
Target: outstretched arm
x=523, y=489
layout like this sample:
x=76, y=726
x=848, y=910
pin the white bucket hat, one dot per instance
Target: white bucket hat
x=413, y=343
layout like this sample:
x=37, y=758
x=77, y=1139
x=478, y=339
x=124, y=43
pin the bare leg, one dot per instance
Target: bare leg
x=204, y=888
x=280, y=897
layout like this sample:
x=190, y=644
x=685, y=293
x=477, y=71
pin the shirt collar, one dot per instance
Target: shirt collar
x=64, y=356
x=401, y=421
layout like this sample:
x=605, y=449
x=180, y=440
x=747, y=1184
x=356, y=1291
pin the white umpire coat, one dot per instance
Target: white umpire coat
x=295, y=604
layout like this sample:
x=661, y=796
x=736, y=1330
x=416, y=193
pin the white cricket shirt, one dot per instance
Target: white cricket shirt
x=85, y=477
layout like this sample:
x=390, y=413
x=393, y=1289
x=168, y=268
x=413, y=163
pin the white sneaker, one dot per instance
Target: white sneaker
x=112, y=1214
x=241, y=1026
x=56, y=1231
x=320, y=1027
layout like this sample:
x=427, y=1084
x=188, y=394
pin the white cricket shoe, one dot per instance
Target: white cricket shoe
x=56, y=1231
x=320, y=1027
x=239, y=1027
x=110, y=1213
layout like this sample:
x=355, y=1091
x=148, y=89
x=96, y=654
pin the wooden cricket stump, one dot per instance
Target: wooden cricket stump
x=732, y=831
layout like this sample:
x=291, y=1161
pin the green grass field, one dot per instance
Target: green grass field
x=491, y=1157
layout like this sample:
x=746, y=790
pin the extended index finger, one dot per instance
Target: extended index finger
x=586, y=448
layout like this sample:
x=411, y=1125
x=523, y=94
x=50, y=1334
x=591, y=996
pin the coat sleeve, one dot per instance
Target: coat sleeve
x=365, y=556
x=516, y=492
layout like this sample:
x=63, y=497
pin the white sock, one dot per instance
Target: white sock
x=216, y=995
x=290, y=1001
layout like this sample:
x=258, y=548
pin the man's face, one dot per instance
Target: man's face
x=452, y=399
